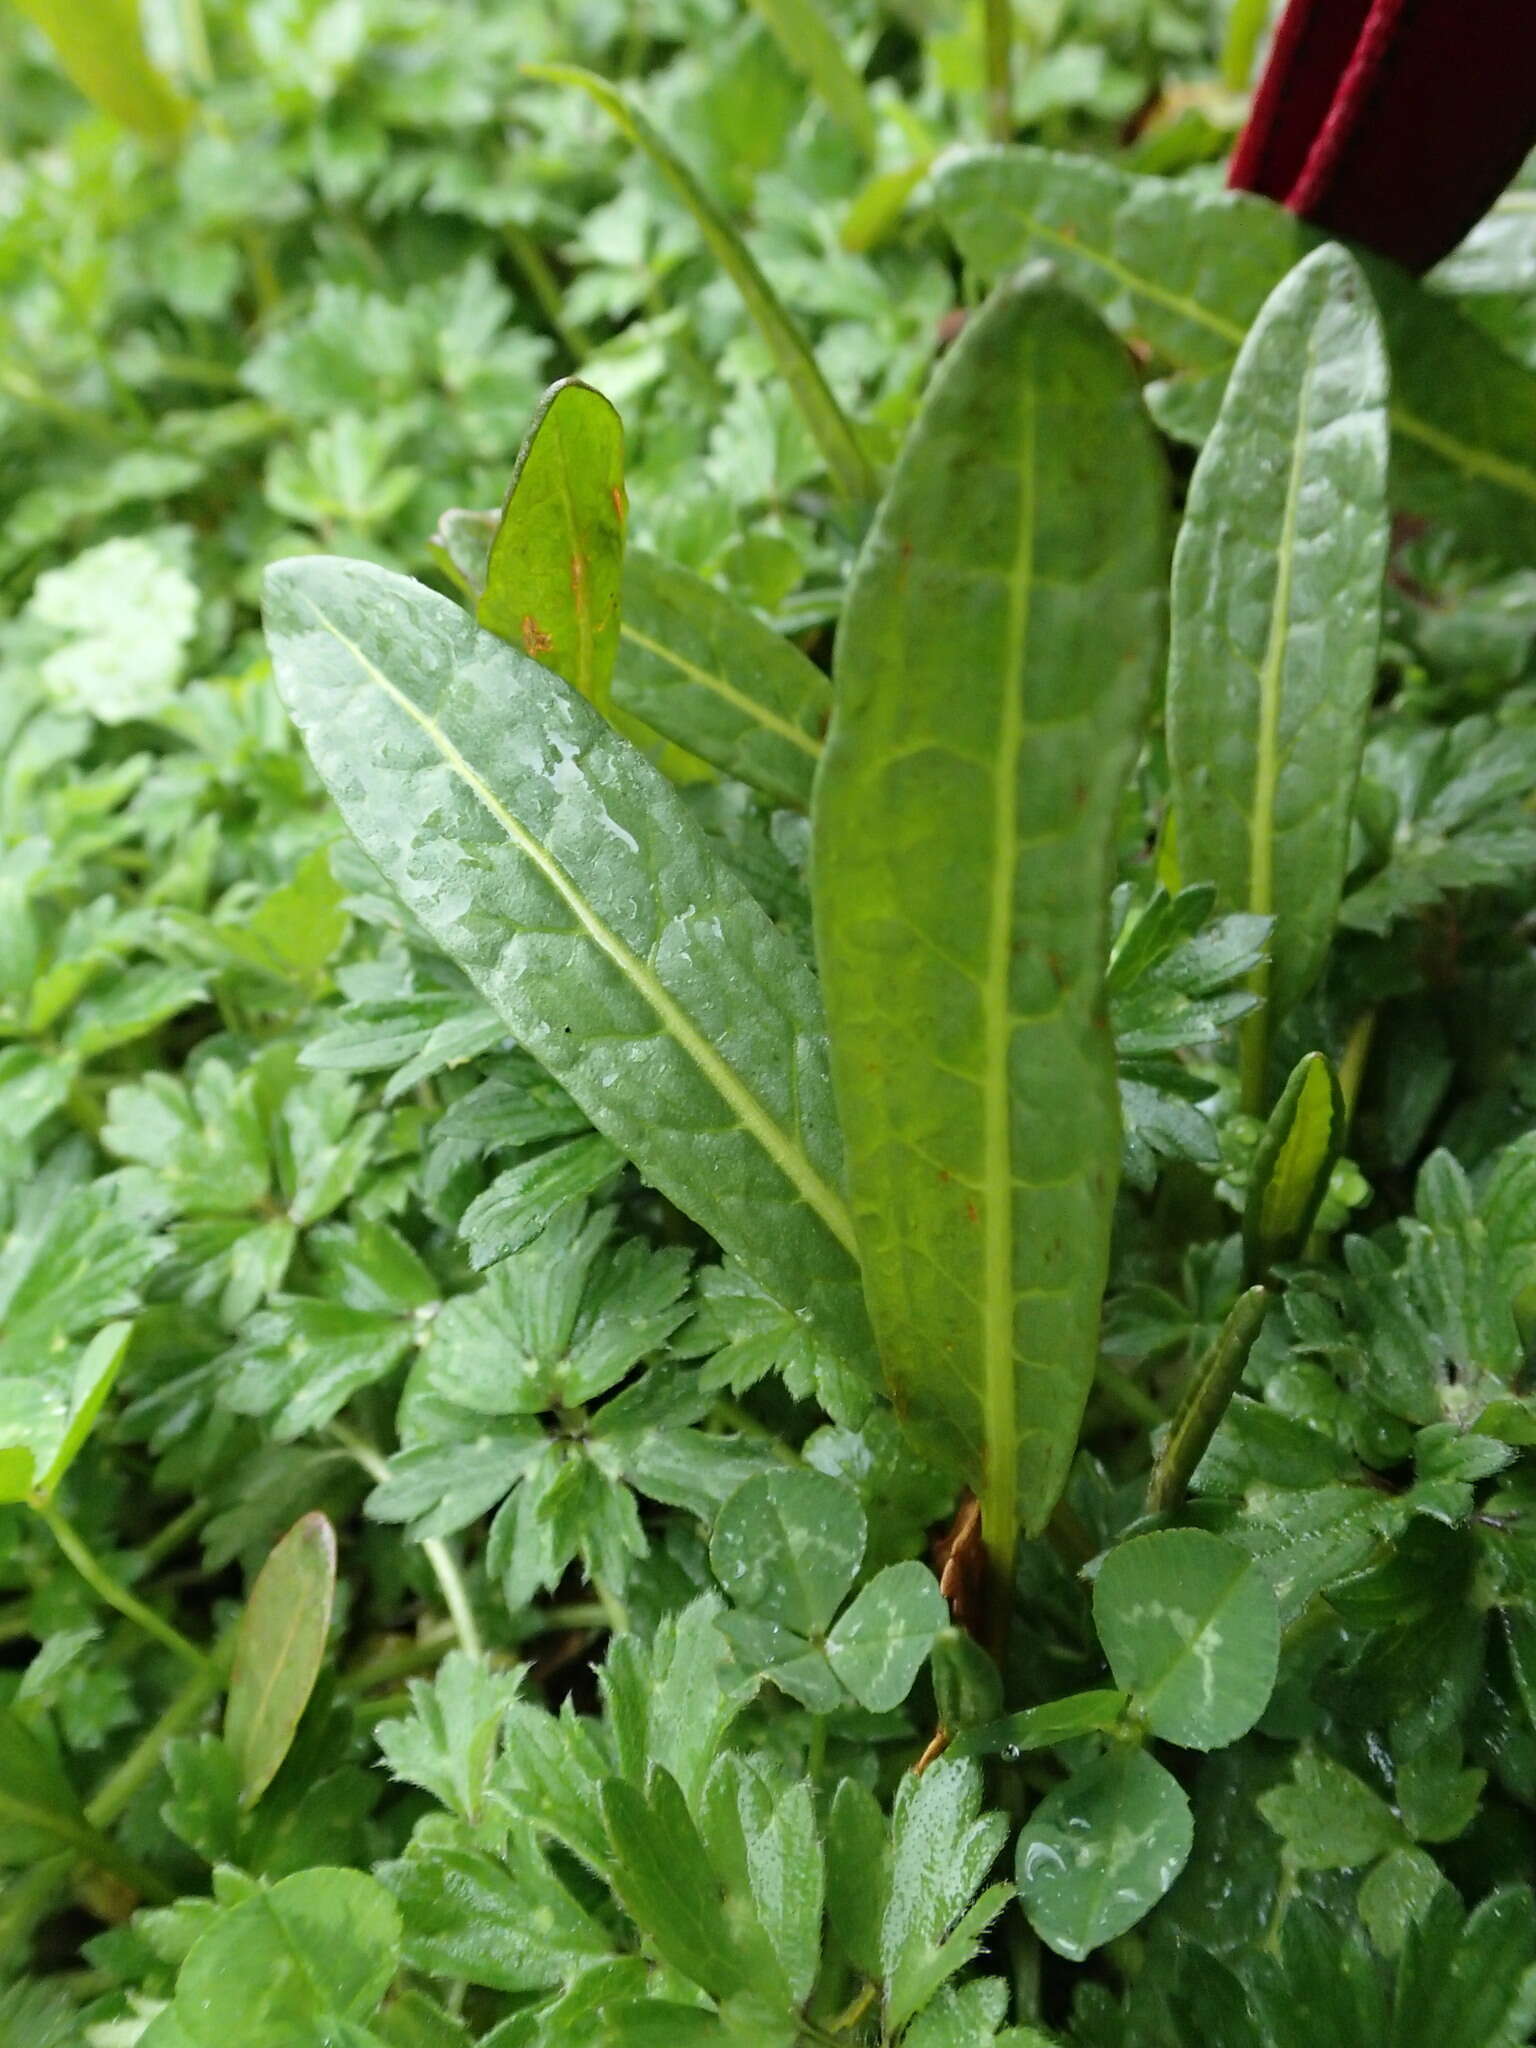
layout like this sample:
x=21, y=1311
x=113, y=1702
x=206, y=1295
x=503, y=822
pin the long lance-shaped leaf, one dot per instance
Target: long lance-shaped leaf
x=833, y=434
x=557, y=559
x=559, y=869
x=700, y=667
x=100, y=46
x=1185, y=268
x=1276, y=620
x=1003, y=627
x=812, y=45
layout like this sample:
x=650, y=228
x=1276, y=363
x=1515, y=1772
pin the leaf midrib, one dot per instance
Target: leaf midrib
x=999, y=1385
x=708, y=680
x=581, y=584
x=1473, y=461
x=723, y=1078
x=1266, y=769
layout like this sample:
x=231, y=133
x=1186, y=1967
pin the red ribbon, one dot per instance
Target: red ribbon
x=1394, y=123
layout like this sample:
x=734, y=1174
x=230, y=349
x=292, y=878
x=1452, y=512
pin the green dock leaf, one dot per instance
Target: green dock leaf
x=1184, y=268
x=1003, y=627
x=1276, y=619
x=556, y=564
x=697, y=665
x=563, y=874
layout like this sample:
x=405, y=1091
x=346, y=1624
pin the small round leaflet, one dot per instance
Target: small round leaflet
x=1191, y=1629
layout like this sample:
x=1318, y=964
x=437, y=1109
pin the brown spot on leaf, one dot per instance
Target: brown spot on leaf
x=535, y=640
x=960, y=1558
x=579, y=578
x=938, y=1742
x=620, y=507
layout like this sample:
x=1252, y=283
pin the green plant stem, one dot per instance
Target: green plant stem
x=1357, y=1052
x=747, y=1423
x=571, y=1614
x=167, y=1541
x=816, y=1753
x=1000, y=1537
x=542, y=282
x=1122, y=1392
x=384, y=1708
x=1205, y=1402
x=1253, y=1053
x=144, y=1759
x=613, y=1607
x=402, y=1663
x=194, y=42
x=1245, y=26
x=85, y=1844
x=117, y=1595
x=998, y=34
x=440, y=1558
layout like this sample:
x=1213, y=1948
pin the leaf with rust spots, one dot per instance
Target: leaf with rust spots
x=552, y=581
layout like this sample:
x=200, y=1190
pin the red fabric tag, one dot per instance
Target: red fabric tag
x=1395, y=123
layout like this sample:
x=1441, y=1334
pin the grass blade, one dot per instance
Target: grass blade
x=830, y=427
x=810, y=42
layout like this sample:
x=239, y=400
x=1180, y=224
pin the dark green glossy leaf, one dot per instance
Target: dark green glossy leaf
x=700, y=667
x=1002, y=630
x=1101, y=1850
x=1192, y=1631
x=787, y=1545
x=1276, y=616
x=1328, y=1818
x=562, y=873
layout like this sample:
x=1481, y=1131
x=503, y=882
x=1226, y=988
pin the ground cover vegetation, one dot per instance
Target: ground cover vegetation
x=768, y=1094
